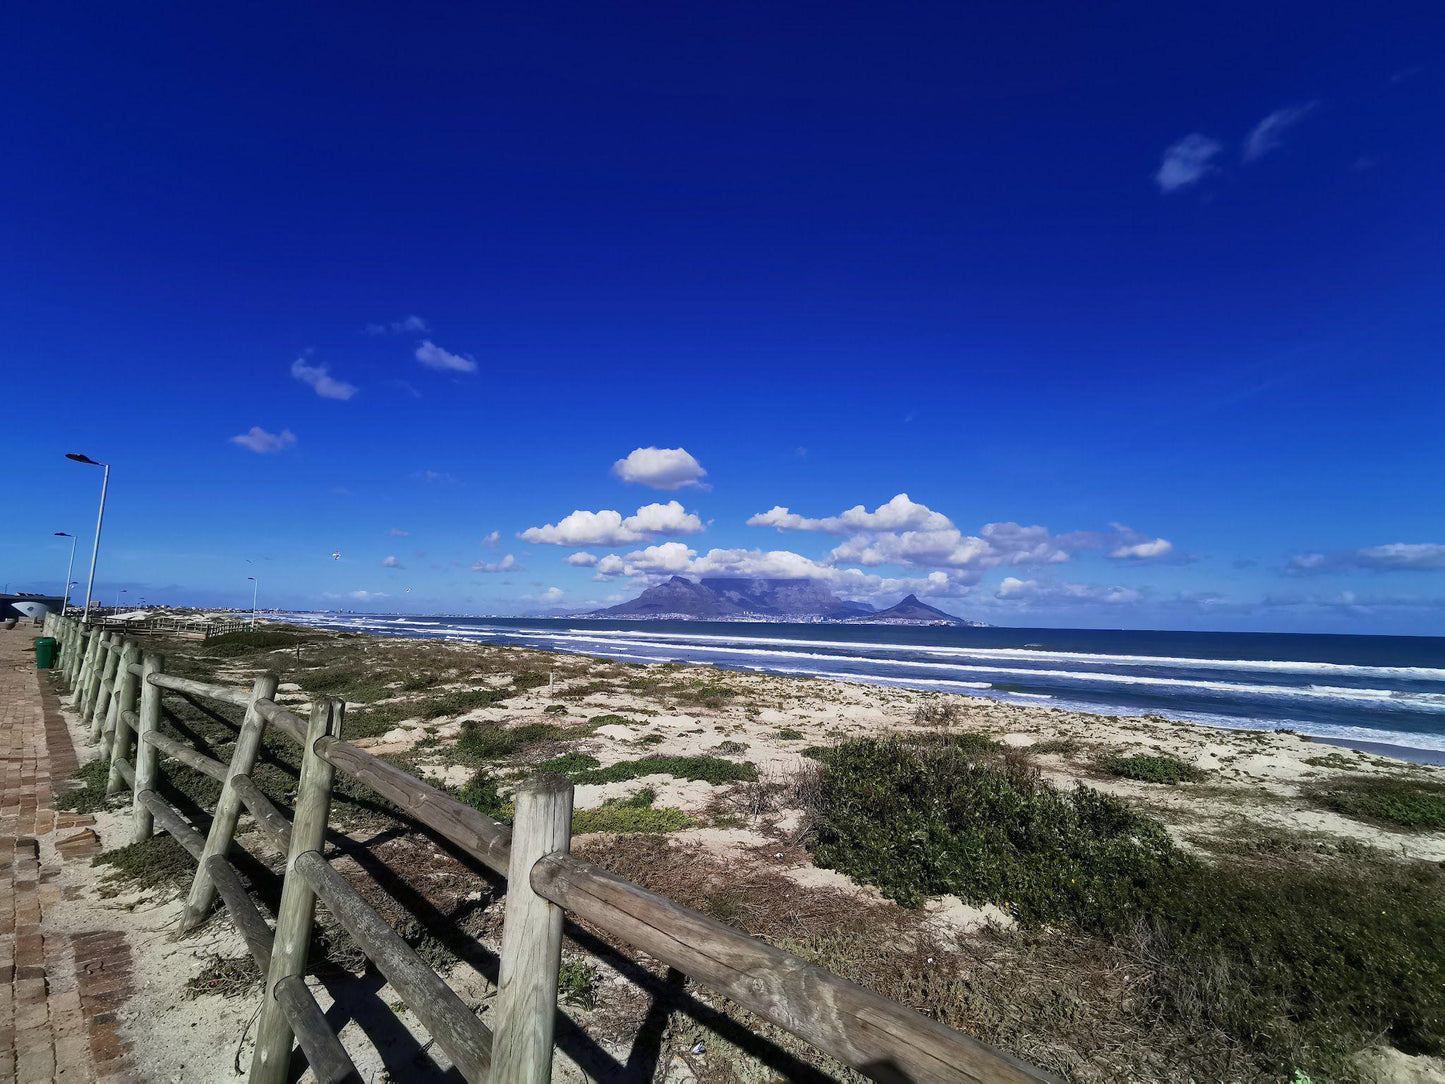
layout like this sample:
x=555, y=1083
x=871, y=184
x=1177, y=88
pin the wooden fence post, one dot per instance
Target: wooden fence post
x=531, y=936
x=90, y=642
x=82, y=644
x=228, y=806
x=106, y=689
x=146, y=754
x=103, y=724
x=296, y=913
x=118, y=738
x=99, y=665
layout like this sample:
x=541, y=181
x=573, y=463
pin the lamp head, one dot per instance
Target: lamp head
x=63, y=534
x=82, y=459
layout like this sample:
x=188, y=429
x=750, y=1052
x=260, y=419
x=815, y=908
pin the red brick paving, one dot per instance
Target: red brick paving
x=58, y=992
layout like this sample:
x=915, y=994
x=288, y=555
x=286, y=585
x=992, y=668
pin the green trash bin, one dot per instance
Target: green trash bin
x=45, y=653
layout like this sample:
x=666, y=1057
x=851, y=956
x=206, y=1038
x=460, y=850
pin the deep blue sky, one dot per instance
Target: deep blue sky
x=837, y=252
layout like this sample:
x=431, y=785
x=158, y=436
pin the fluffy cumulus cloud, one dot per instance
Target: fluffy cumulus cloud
x=906, y=533
x=434, y=357
x=1187, y=162
x=1268, y=135
x=320, y=381
x=1013, y=589
x=677, y=559
x=610, y=528
x=264, y=443
x=553, y=594
x=582, y=559
x=506, y=564
x=391, y=562
x=492, y=538
x=660, y=468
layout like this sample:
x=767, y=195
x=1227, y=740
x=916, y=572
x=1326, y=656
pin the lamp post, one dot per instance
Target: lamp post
x=99, y=517
x=122, y=591
x=68, y=570
x=255, y=589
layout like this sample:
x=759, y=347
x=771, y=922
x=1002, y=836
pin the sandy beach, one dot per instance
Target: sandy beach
x=736, y=843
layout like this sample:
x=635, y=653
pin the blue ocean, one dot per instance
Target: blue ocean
x=1354, y=690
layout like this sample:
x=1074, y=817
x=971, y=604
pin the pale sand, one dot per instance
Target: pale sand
x=1252, y=788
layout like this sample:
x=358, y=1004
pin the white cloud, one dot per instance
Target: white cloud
x=582, y=559
x=609, y=528
x=1143, y=551
x=397, y=532
x=900, y=513
x=660, y=468
x=264, y=443
x=1187, y=162
x=434, y=357
x=1032, y=591
x=493, y=538
x=676, y=559
x=506, y=564
x=1411, y=556
x=407, y=324
x=1268, y=134
x=391, y=562
x=1308, y=562
x=552, y=594
x=321, y=381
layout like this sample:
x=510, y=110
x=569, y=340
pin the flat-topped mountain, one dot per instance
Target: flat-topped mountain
x=721, y=598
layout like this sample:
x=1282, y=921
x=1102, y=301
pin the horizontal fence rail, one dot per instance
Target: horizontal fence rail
x=873, y=1035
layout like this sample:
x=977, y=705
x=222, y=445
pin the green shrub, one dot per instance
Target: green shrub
x=527, y=679
x=1398, y=803
x=1153, y=769
x=569, y=764
x=480, y=792
x=635, y=813
x=1300, y=958
x=732, y=747
x=577, y=983
x=609, y=720
x=556, y=709
x=486, y=740
x=459, y=702
x=246, y=642
x=710, y=769
x=924, y=819
x=88, y=795
x=788, y=733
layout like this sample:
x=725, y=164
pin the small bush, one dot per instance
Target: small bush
x=556, y=709
x=609, y=720
x=1153, y=769
x=707, y=695
x=1397, y=803
x=1060, y=746
x=709, y=769
x=486, y=741
x=527, y=679
x=569, y=764
x=247, y=642
x=937, y=712
x=158, y=862
x=732, y=747
x=577, y=983
x=459, y=702
x=88, y=796
x=635, y=813
x=480, y=792
x=788, y=733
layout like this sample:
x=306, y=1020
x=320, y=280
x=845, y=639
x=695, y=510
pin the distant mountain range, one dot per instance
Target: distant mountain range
x=725, y=598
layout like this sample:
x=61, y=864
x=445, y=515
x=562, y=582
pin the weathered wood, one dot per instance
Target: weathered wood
x=107, y=683
x=84, y=660
x=879, y=1038
x=135, y=668
x=531, y=936
x=329, y=1062
x=297, y=912
x=456, y=1030
x=271, y=822
x=101, y=725
x=226, y=694
x=174, y=823
x=481, y=837
x=228, y=805
x=244, y=914
x=283, y=720
x=117, y=743
x=186, y=755
x=123, y=767
x=147, y=731
x=99, y=664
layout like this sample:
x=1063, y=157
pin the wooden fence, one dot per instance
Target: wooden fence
x=117, y=690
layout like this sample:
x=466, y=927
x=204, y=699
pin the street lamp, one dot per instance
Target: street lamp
x=122, y=591
x=99, y=516
x=255, y=589
x=68, y=569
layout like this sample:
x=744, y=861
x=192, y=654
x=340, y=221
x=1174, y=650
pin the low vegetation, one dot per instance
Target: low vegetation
x=87, y=791
x=635, y=813
x=1298, y=959
x=1157, y=768
x=707, y=768
x=1416, y=806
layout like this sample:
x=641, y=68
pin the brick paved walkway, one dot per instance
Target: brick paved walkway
x=58, y=991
